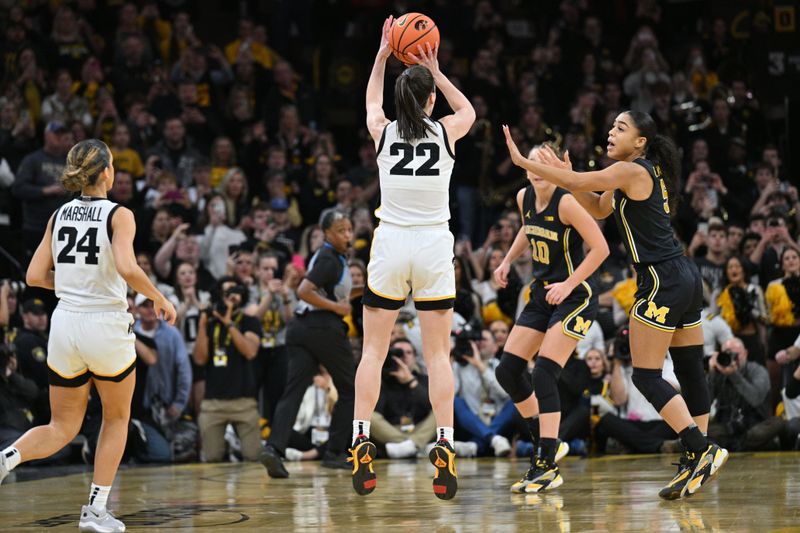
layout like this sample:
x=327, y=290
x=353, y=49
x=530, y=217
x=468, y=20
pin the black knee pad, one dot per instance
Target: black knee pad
x=688, y=363
x=512, y=375
x=653, y=386
x=545, y=384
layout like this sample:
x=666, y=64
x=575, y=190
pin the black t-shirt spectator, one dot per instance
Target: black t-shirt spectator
x=38, y=170
x=400, y=404
x=31, y=351
x=228, y=374
x=710, y=272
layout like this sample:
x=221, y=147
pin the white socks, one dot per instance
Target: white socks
x=98, y=496
x=445, y=433
x=12, y=456
x=360, y=427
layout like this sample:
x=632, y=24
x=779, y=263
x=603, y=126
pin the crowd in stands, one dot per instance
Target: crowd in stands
x=230, y=141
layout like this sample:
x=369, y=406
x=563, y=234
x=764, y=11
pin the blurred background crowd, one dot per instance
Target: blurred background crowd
x=234, y=126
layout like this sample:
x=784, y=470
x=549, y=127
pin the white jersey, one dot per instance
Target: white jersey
x=415, y=177
x=86, y=278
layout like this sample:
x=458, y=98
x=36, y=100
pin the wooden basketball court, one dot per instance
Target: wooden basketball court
x=754, y=492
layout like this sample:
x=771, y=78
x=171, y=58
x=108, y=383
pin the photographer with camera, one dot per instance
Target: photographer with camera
x=226, y=346
x=403, y=420
x=740, y=392
x=637, y=427
x=482, y=408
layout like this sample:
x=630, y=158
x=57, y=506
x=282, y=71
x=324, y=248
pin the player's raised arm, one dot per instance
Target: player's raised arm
x=597, y=205
x=459, y=123
x=376, y=119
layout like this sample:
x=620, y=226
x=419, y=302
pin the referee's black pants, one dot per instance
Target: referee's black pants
x=313, y=340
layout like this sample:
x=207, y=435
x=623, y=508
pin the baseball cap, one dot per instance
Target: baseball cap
x=279, y=204
x=54, y=126
x=35, y=306
x=140, y=299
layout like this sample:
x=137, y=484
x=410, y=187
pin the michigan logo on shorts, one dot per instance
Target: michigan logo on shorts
x=581, y=325
x=653, y=312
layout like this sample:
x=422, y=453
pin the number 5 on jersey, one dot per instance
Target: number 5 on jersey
x=87, y=245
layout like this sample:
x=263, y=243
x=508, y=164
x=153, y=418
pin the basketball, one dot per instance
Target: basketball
x=410, y=30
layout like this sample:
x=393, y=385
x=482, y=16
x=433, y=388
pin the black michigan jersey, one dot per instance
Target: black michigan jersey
x=645, y=224
x=557, y=247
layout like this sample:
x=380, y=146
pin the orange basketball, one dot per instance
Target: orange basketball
x=410, y=30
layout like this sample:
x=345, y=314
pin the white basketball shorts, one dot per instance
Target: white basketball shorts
x=90, y=345
x=411, y=259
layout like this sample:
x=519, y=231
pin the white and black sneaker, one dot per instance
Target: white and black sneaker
x=103, y=522
x=3, y=468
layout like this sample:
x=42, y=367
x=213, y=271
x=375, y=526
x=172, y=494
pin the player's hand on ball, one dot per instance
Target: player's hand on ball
x=501, y=274
x=557, y=292
x=383, y=50
x=516, y=157
x=427, y=57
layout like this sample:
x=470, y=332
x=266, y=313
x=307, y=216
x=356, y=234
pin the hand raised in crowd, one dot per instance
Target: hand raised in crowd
x=275, y=286
x=474, y=358
x=227, y=318
x=402, y=374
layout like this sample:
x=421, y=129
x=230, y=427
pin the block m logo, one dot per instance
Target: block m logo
x=581, y=325
x=659, y=314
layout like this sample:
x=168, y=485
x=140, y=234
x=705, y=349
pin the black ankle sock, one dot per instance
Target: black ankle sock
x=533, y=427
x=693, y=439
x=547, y=449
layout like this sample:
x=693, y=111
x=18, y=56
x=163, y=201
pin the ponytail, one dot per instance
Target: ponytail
x=662, y=152
x=411, y=90
x=85, y=162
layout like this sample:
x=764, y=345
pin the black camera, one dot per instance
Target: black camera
x=725, y=358
x=774, y=223
x=241, y=290
x=622, y=345
x=390, y=364
x=469, y=332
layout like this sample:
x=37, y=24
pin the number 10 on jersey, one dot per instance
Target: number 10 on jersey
x=541, y=252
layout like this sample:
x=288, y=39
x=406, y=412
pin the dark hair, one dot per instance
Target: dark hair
x=85, y=162
x=663, y=153
x=411, y=90
x=744, y=263
x=331, y=216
